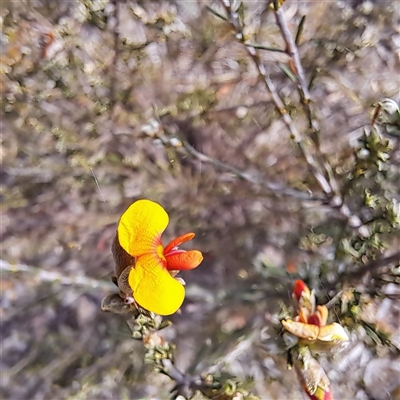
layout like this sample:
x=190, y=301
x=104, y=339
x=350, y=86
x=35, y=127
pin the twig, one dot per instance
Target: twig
x=321, y=169
x=372, y=267
x=302, y=85
x=314, y=166
x=277, y=188
x=334, y=299
x=303, y=88
x=358, y=274
x=114, y=80
x=353, y=220
x=292, y=51
x=185, y=385
x=51, y=276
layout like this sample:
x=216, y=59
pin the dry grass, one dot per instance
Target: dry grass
x=76, y=151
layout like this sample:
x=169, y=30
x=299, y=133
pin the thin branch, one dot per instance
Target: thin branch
x=186, y=385
x=114, y=80
x=320, y=168
x=292, y=51
x=359, y=273
x=43, y=275
x=372, y=266
x=276, y=188
x=337, y=201
x=334, y=300
x=302, y=85
x=314, y=166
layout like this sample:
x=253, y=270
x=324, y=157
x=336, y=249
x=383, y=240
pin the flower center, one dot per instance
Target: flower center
x=160, y=252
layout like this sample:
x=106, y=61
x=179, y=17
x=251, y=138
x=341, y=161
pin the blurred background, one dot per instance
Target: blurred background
x=97, y=98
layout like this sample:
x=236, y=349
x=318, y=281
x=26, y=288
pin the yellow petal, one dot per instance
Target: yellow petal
x=154, y=288
x=141, y=226
x=333, y=333
x=301, y=330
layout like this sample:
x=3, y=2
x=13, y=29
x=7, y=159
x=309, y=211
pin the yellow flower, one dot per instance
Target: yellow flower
x=151, y=278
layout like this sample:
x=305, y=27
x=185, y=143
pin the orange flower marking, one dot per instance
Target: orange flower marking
x=299, y=288
x=139, y=234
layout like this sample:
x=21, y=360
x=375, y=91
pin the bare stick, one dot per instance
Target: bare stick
x=277, y=188
x=292, y=51
x=233, y=18
x=116, y=28
x=291, y=48
x=321, y=169
x=302, y=85
x=372, y=266
x=43, y=275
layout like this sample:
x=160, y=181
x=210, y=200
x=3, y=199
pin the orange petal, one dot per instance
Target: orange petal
x=323, y=312
x=320, y=317
x=298, y=288
x=141, y=226
x=154, y=288
x=178, y=241
x=184, y=260
x=304, y=315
